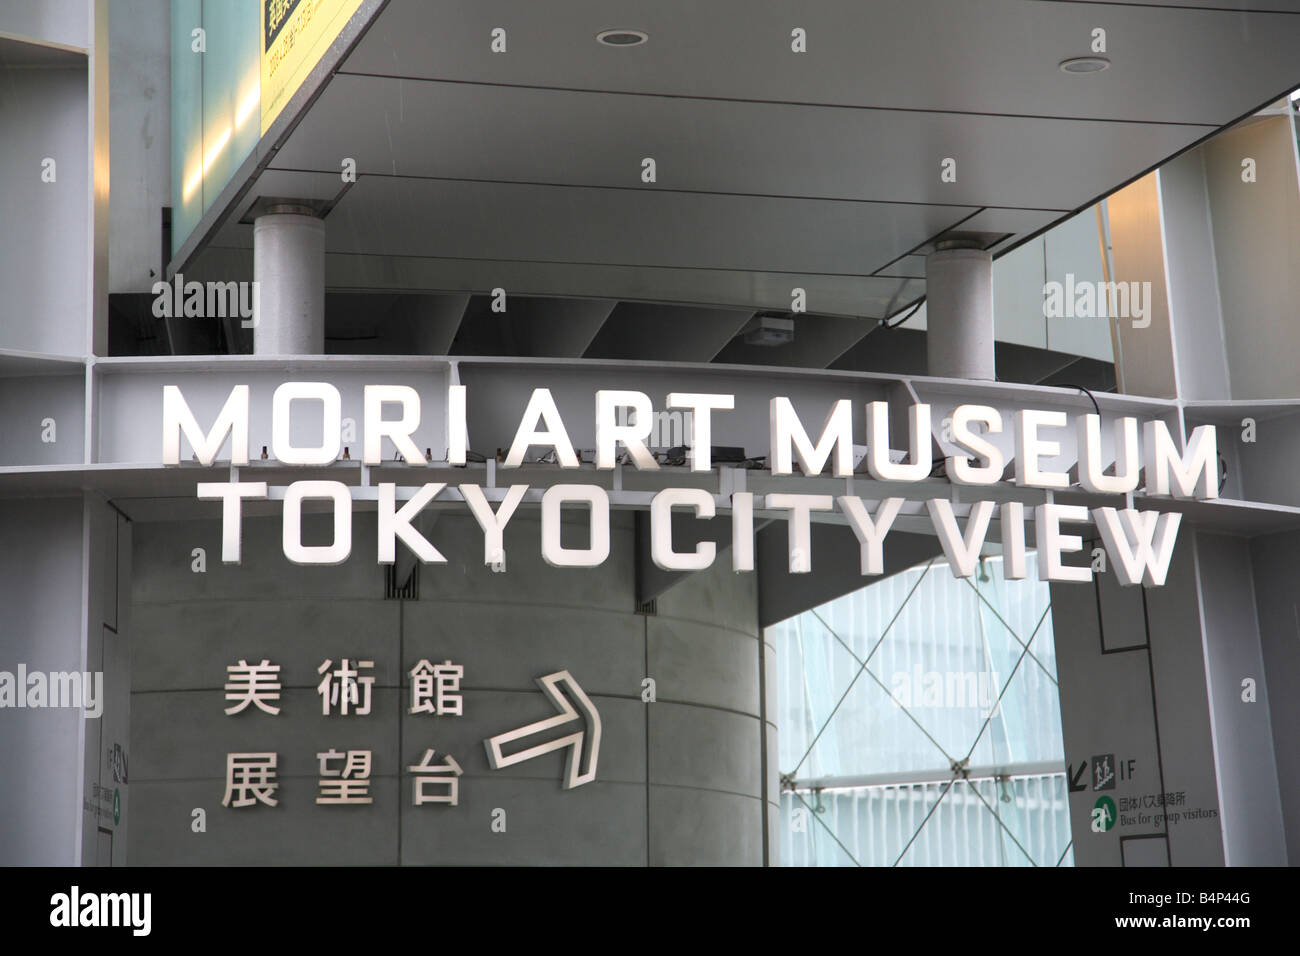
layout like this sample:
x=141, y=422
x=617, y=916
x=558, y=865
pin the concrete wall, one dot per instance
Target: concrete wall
x=1253, y=834
x=1199, y=345
x=44, y=267
x=1220, y=248
x=1074, y=248
x=1137, y=236
x=1257, y=246
x=63, y=22
x=41, y=750
x=105, y=793
x=1133, y=686
x=28, y=402
x=140, y=118
x=1273, y=560
x=1261, y=471
x=680, y=780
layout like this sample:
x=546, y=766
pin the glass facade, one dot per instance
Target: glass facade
x=888, y=695
x=216, y=102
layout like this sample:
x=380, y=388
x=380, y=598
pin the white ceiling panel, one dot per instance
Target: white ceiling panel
x=1237, y=6
x=866, y=296
x=424, y=217
x=455, y=130
x=990, y=56
x=774, y=169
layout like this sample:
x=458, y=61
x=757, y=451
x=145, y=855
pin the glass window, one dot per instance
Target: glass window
x=919, y=724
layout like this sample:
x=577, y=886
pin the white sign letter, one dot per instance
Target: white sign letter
x=553, y=552
x=1029, y=448
x=395, y=523
x=1051, y=543
x=399, y=431
x=800, y=524
x=282, y=436
x=493, y=524
x=1141, y=542
x=1092, y=476
x=959, y=468
x=457, y=430
x=742, y=531
x=609, y=433
x=920, y=453
x=837, y=435
x=1195, y=473
x=962, y=552
x=871, y=533
x=542, y=406
x=701, y=404
x=230, y=493
x=294, y=495
x=232, y=420
x=661, y=529
x=1011, y=516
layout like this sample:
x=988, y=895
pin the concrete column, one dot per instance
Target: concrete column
x=959, y=312
x=289, y=269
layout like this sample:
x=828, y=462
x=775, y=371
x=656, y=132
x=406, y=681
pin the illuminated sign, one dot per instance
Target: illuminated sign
x=295, y=34
x=1139, y=543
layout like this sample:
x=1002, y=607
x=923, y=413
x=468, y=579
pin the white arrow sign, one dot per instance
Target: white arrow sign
x=583, y=742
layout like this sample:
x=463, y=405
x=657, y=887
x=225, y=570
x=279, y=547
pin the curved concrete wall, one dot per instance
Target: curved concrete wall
x=679, y=781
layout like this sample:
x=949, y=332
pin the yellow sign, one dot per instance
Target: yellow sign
x=295, y=34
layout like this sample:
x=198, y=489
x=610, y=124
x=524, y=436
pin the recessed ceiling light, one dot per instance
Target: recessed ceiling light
x=621, y=37
x=1085, y=64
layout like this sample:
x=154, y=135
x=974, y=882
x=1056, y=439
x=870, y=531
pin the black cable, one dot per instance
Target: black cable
x=1095, y=406
x=884, y=323
x=1223, y=464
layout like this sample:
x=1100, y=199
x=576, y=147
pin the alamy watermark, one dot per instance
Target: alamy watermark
x=946, y=689
x=56, y=689
x=206, y=300
x=131, y=911
x=1072, y=299
x=668, y=429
